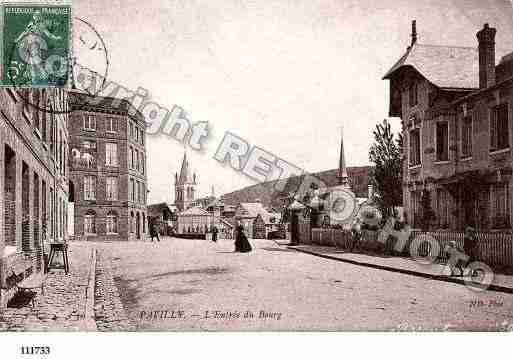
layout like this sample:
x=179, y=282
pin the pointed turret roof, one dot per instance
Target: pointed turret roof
x=342, y=169
x=185, y=171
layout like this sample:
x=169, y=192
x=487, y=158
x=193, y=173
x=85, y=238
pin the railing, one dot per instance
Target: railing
x=494, y=249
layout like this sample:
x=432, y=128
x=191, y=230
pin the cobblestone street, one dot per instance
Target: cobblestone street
x=182, y=284
x=62, y=307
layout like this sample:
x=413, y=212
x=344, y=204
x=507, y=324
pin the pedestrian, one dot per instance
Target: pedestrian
x=241, y=241
x=454, y=252
x=356, y=234
x=154, y=232
x=470, y=244
x=214, y=234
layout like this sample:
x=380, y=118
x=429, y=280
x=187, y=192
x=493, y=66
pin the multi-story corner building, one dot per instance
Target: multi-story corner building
x=455, y=104
x=33, y=180
x=107, y=168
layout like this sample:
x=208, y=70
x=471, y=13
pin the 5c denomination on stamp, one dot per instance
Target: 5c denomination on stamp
x=36, y=42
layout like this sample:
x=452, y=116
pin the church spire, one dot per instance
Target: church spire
x=342, y=170
x=185, y=171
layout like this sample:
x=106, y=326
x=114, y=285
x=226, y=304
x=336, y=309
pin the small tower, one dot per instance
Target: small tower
x=185, y=186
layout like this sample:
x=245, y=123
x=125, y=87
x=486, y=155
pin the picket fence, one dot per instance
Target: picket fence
x=494, y=249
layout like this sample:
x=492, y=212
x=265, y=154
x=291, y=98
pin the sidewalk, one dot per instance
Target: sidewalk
x=62, y=307
x=501, y=282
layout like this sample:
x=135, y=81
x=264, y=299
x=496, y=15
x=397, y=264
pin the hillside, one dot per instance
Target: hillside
x=265, y=192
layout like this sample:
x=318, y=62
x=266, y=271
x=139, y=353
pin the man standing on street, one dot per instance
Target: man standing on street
x=154, y=232
x=214, y=234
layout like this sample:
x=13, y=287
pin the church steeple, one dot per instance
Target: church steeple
x=185, y=185
x=343, y=179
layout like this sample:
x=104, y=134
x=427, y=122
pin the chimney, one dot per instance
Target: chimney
x=486, y=39
x=413, y=32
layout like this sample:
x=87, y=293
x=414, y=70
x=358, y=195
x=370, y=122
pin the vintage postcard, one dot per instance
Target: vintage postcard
x=322, y=165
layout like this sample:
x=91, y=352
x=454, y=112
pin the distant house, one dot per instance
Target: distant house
x=194, y=220
x=256, y=220
x=163, y=213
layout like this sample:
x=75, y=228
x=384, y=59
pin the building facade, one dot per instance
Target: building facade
x=107, y=157
x=33, y=180
x=455, y=104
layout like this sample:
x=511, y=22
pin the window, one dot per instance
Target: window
x=111, y=154
x=442, y=141
x=416, y=208
x=413, y=94
x=415, y=147
x=110, y=124
x=138, y=191
x=499, y=195
x=137, y=134
x=112, y=223
x=112, y=189
x=499, y=132
x=132, y=189
x=90, y=223
x=131, y=157
x=89, y=145
x=131, y=130
x=89, y=123
x=142, y=163
x=442, y=207
x=89, y=188
x=466, y=137
x=137, y=160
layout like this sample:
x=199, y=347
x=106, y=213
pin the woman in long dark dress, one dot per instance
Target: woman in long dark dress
x=241, y=241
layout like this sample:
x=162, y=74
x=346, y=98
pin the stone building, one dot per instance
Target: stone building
x=33, y=180
x=185, y=186
x=107, y=159
x=455, y=105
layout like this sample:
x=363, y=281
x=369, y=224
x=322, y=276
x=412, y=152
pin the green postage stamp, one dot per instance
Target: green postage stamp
x=36, y=42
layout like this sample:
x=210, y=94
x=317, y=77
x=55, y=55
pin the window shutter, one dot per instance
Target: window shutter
x=493, y=129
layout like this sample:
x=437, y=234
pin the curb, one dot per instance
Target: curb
x=491, y=287
x=90, y=322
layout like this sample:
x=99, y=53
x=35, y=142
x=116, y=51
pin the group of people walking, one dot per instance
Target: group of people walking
x=242, y=244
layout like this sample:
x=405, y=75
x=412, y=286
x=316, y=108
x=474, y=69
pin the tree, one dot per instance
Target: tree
x=386, y=177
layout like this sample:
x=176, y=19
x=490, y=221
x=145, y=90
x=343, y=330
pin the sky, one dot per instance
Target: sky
x=283, y=75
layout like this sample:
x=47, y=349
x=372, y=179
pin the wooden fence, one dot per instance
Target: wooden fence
x=494, y=249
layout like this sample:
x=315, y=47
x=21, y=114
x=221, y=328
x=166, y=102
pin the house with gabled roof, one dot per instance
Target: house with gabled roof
x=256, y=219
x=455, y=106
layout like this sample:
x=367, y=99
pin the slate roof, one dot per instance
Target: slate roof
x=195, y=211
x=448, y=67
x=252, y=210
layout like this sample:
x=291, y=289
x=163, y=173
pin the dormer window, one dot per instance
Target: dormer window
x=413, y=94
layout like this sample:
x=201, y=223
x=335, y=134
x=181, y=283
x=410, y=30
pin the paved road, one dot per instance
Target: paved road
x=292, y=290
